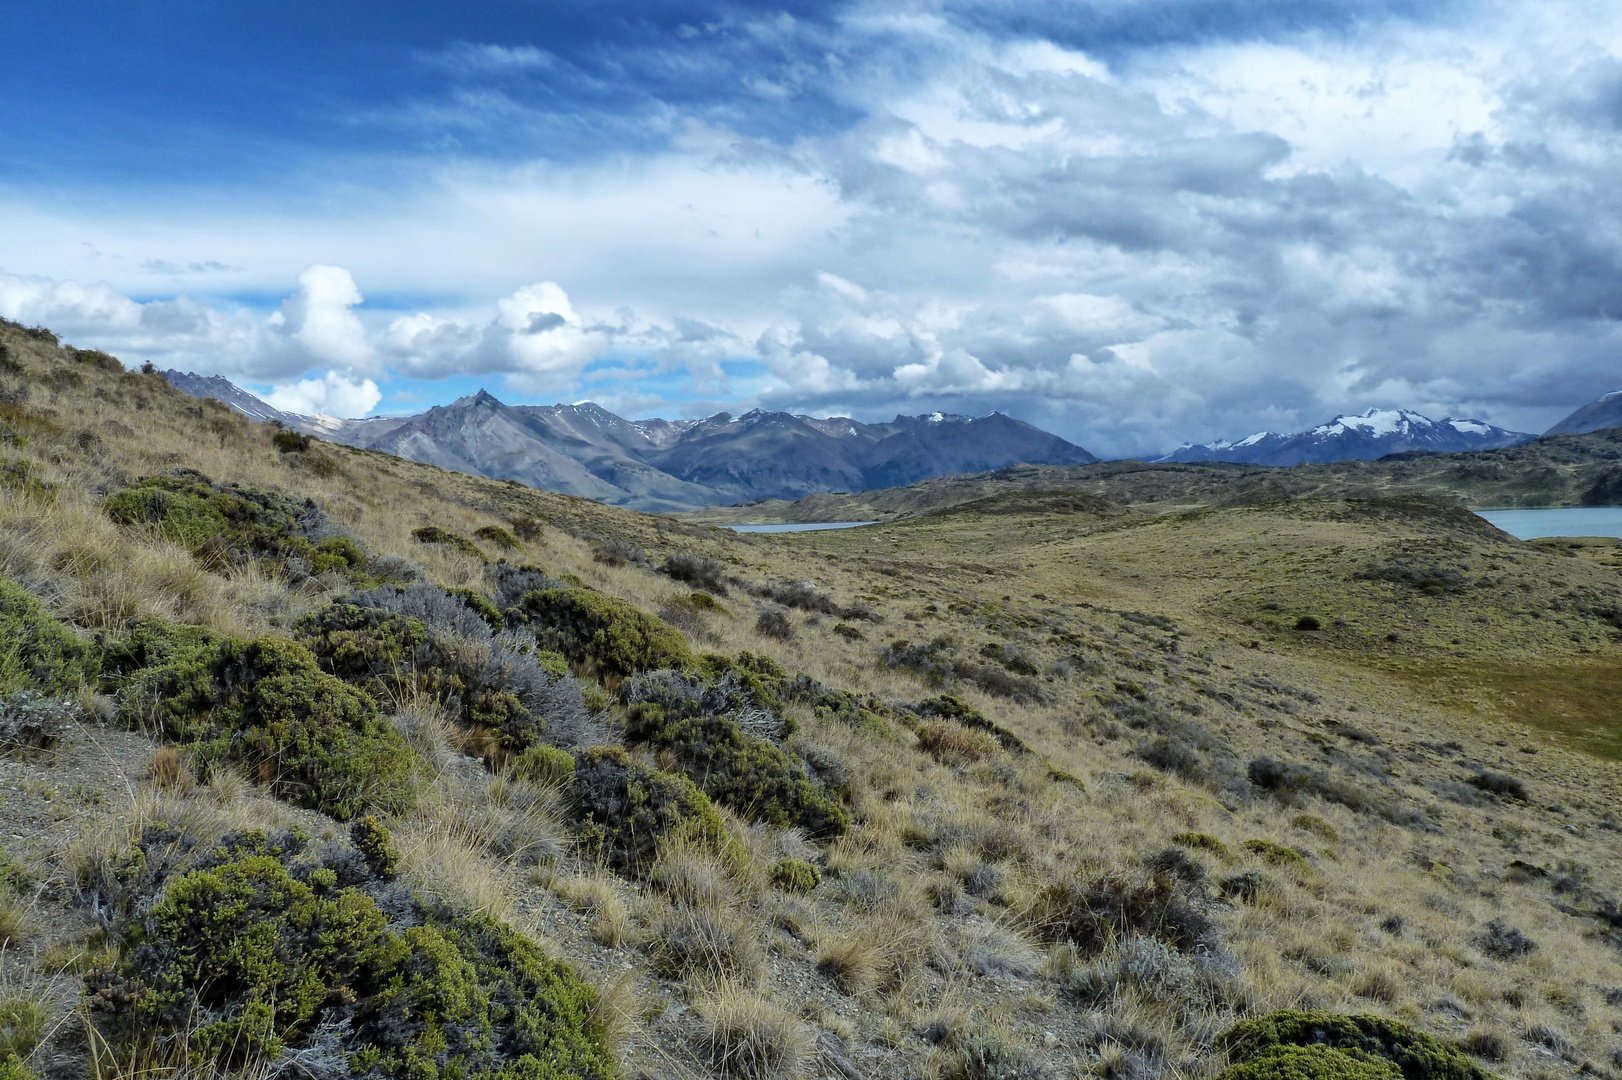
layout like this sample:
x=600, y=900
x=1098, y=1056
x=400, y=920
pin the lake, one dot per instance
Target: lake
x=1564, y=521
x=811, y=527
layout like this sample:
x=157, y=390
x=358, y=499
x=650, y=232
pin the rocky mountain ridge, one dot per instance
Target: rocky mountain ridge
x=667, y=465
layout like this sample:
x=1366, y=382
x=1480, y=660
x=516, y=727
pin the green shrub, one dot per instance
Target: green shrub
x=376, y=846
x=496, y=536
x=625, y=809
x=795, y=875
x=948, y=707
x=288, y=441
x=545, y=765
x=36, y=651
x=433, y=534
x=338, y=553
x=311, y=738
x=1417, y=1055
x=1310, y=1063
x=739, y=770
x=1276, y=854
x=986, y=1057
x=369, y=647
x=22, y=1026
x=615, y=637
x=12, y=1068
x=481, y=607
x=1315, y=825
x=390, y=655
x=250, y=953
x=1198, y=841
x=757, y=674
x=230, y=520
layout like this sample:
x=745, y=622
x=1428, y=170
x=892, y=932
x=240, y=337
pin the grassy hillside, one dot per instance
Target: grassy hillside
x=362, y=768
x=1559, y=470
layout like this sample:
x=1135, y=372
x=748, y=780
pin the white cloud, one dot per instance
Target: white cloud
x=319, y=319
x=1194, y=240
x=332, y=393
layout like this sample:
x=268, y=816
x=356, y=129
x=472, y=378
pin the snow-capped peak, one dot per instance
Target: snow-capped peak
x=936, y=417
x=1252, y=440
x=1376, y=422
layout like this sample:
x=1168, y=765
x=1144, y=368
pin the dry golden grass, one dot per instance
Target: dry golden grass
x=1385, y=918
x=167, y=771
x=750, y=1037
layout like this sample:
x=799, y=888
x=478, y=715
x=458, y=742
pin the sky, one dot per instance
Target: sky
x=1134, y=223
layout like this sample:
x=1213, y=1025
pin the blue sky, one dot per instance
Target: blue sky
x=1132, y=222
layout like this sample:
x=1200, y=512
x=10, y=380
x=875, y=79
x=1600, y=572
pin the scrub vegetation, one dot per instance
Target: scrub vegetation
x=322, y=763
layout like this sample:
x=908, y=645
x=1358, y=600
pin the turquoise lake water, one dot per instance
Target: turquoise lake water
x=799, y=528
x=1566, y=521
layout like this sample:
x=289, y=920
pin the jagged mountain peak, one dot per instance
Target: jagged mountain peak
x=660, y=465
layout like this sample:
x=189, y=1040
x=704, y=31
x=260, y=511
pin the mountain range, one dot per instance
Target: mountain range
x=673, y=465
x=1366, y=437
x=670, y=465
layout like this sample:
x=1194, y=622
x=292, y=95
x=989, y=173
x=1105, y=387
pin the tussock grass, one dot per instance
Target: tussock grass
x=962, y=850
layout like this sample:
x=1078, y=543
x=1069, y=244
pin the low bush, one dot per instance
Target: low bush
x=38, y=653
x=697, y=570
x=1093, y=912
x=226, y=523
x=625, y=809
x=609, y=634
x=435, y=536
x=1276, y=854
x=1246, y=885
x=1497, y=783
x=288, y=441
x=1317, y=826
x=422, y=640
x=266, y=706
x=795, y=875
x=938, y=664
x=545, y=765
x=949, y=707
x=1361, y=1038
x=1176, y=862
x=775, y=625
x=987, y=1057
x=1504, y=942
x=702, y=727
x=497, y=537
x=618, y=551
x=256, y=951
x=30, y=721
x=1201, y=842
x=1310, y=1063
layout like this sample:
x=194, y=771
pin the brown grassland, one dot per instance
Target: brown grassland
x=1198, y=761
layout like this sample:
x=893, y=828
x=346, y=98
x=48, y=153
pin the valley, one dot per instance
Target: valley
x=1057, y=771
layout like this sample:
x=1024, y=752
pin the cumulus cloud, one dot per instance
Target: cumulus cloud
x=318, y=317
x=332, y=393
x=1134, y=224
